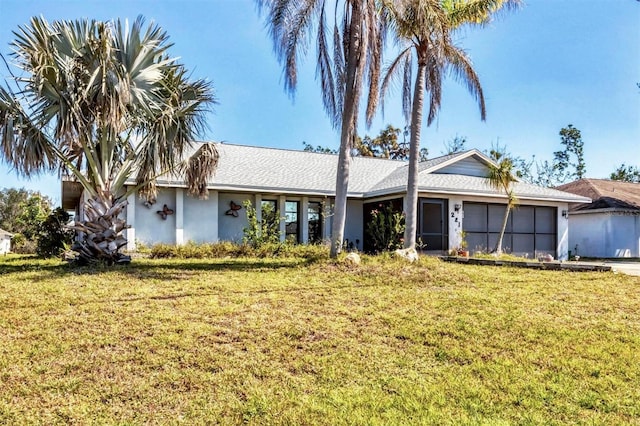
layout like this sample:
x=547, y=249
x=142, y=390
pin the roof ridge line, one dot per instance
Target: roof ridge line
x=594, y=187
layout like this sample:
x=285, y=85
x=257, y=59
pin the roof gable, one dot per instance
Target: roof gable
x=466, y=163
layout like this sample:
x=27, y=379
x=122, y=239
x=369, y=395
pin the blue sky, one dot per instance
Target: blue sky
x=550, y=64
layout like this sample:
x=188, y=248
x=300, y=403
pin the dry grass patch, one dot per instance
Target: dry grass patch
x=282, y=341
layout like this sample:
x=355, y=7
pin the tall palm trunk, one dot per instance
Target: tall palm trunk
x=353, y=88
x=498, y=249
x=411, y=221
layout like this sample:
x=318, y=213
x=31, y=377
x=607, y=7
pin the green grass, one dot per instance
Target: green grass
x=285, y=341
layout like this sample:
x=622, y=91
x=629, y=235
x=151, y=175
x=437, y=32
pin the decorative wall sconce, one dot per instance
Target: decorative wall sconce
x=233, y=211
x=457, y=207
x=565, y=214
x=166, y=211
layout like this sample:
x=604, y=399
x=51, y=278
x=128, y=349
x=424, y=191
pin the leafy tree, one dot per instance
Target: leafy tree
x=53, y=234
x=501, y=177
x=567, y=164
x=353, y=55
x=320, y=149
x=385, y=145
x=12, y=203
x=424, y=29
x=567, y=169
x=457, y=144
x=626, y=174
x=102, y=102
x=32, y=213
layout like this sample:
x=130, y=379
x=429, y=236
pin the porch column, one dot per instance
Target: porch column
x=281, y=211
x=179, y=216
x=327, y=214
x=213, y=196
x=562, y=249
x=130, y=233
x=258, y=207
x=304, y=220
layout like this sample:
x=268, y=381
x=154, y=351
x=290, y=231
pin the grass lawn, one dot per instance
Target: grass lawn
x=284, y=342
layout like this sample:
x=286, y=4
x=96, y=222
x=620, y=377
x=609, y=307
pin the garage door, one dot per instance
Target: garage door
x=531, y=230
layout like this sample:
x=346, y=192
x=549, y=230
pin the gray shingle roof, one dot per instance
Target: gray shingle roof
x=278, y=170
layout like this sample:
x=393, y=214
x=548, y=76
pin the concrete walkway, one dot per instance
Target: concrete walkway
x=629, y=268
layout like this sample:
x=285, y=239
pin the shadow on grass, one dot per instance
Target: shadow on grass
x=157, y=269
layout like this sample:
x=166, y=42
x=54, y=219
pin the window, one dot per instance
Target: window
x=291, y=218
x=315, y=221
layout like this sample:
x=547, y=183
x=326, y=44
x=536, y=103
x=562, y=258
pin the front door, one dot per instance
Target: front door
x=432, y=230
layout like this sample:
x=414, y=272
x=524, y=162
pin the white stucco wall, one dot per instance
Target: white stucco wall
x=5, y=244
x=353, y=229
x=604, y=234
x=149, y=227
x=201, y=218
x=230, y=228
x=455, y=218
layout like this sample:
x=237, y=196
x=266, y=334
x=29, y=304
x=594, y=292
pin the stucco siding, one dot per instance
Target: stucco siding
x=5, y=245
x=201, y=218
x=230, y=228
x=150, y=228
x=353, y=230
x=604, y=234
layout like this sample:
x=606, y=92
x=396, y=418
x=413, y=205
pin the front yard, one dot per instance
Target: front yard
x=282, y=341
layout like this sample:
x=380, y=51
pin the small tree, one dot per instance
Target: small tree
x=501, y=177
x=571, y=139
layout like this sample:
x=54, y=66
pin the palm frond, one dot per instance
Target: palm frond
x=200, y=169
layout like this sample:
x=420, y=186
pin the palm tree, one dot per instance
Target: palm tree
x=353, y=56
x=424, y=29
x=102, y=102
x=501, y=177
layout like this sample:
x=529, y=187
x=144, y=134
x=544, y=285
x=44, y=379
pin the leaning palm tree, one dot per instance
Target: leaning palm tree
x=501, y=177
x=104, y=103
x=353, y=56
x=424, y=29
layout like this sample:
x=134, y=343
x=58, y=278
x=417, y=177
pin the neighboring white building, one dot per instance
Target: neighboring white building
x=454, y=195
x=5, y=241
x=610, y=225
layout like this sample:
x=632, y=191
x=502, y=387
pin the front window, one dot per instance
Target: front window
x=315, y=222
x=292, y=220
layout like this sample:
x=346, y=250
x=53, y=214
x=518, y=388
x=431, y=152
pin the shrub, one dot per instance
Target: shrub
x=22, y=245
x=265, y=231
x=385, y=230
x=222, y=249
x=53, y=235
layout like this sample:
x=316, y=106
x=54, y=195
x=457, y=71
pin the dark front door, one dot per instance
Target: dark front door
x=432, y=230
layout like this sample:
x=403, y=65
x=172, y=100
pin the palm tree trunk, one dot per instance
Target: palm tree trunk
x=411, y=221
x=355, y=69
x=102, y=236
x=498, y=249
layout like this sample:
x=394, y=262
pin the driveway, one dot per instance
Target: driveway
x=629, y=268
